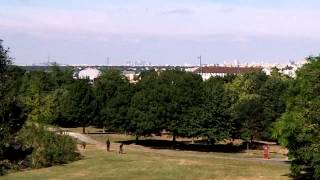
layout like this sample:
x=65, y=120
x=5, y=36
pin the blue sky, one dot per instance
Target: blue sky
x=160, y=31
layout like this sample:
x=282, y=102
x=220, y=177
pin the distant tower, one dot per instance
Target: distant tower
x=236, y=63
x=108, y=61
x=200, y=59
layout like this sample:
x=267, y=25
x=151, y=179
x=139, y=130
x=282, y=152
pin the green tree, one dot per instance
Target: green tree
x=247, y=109
x=298, y=128
x=273, y=93
x=46, y=94
x=113, y=92
x=181, y=94
x=57, y=98
x=36, y=87
x=60, y=78
x=82, y=103
x=12, y=112
x=145, y=109
x=215, y=122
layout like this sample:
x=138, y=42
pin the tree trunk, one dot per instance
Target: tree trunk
x=137, y=139
x=247, y=146
x=174, y=139
x=192, y=141
x=83, y=129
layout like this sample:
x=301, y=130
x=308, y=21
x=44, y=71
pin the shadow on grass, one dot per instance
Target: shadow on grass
x=305, y=176
x=184, y=146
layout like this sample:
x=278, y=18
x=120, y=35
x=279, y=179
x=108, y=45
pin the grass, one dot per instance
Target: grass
x=143, y=162
x=99, y=164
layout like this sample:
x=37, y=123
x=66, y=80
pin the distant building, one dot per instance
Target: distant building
x=209, y=71
x=130, y=75
x=286, y=69
x=91, y=73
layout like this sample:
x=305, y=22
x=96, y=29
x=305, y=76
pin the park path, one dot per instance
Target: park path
x=83, y=137
x=133, y=147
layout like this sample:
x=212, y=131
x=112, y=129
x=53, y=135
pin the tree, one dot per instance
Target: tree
x=145, y=109
x=298, y=128
x=56, y=100
x=82, y=103
x=181, y=94
x=215, y=121
x=12, y=112
x=258, y=100
x=249, y=113
x=60, y=78
x=36, y=87
x=272, y=94
x=247, y=109
x=113, y=93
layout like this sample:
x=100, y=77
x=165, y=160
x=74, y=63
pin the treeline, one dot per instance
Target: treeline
x=25, y=145
x=180, y=103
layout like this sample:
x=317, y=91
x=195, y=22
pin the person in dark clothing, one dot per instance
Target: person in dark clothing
x=83, y=144
x=121, y=148
x=108, y=144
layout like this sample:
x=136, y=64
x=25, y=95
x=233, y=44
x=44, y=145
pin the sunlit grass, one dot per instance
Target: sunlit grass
x=99, y=164
x=140, y=162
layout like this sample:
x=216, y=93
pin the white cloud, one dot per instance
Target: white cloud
x=176, y=28
x=200, y=20
x=180, y=11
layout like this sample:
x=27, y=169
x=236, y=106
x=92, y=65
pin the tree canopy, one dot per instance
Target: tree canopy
x=298, y=128
x=12, y=111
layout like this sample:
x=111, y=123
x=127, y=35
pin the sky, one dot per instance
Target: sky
x=162, y=32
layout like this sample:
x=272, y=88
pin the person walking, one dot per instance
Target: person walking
x=108, y=144
x=121, y=148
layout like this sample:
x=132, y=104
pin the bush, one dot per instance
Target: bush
x=48, y=147
x=1, y=169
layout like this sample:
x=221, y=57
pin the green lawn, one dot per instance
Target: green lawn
x=146, y=163
x=165, y=164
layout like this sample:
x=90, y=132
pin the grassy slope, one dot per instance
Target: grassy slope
x=99, y=164
x=145, y=163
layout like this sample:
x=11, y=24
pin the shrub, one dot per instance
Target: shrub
x=48, y=147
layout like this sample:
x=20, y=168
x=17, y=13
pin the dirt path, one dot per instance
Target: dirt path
x=83, y=137
x=133, y=147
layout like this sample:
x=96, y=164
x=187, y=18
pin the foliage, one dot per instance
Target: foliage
x=36, y=85
x=298, y=128
x=48, y=148
x=12, y=111
x=181, y=94
x=145, y=110
x=215, y=121
x=12, y=115
x=257, y=101
x=113, y=93
x=273, y=93
x=81, y=104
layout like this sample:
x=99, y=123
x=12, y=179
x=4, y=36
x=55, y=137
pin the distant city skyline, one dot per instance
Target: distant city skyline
x=160, y=31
